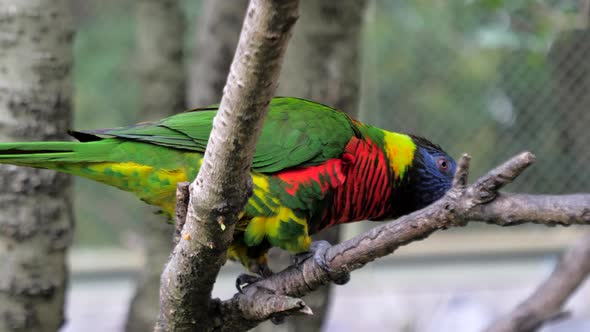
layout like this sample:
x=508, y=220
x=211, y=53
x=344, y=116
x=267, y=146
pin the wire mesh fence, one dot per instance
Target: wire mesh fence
x=491, y=78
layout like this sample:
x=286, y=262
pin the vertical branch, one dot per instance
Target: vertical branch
x=160, y=45
x=36, y=222
x=223, y=184
x=161, y=76
x=323, y=62
x=182, y=199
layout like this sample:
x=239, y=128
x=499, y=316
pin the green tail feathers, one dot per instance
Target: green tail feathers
x=52, y=154
x=35, y=153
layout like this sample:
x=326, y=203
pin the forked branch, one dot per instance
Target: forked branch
x=480, y=201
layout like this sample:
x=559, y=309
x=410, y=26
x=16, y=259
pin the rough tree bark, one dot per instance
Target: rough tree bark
x=161, y=75
x=218, y=32
x=36, y=222
x=223, y=185
x=322, y=64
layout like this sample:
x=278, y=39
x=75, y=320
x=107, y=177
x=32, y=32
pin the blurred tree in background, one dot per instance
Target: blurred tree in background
x=217, y=33
x=161, y=76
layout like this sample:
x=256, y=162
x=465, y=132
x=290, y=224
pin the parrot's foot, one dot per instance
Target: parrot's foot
x=277, y=320
x=261, y=271
x=318, y=251
x=243, y=280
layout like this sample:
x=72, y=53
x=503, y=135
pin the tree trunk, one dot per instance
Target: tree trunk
x=160, y=29
x=36, y=221
x=322, y=64
x=218, y=33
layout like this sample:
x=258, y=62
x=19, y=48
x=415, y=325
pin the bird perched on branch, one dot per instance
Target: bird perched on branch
x=313, y=168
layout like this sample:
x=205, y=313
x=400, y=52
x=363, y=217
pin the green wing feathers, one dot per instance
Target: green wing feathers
x=294, y=134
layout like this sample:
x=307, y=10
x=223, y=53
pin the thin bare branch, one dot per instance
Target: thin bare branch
x=182, y=199
x=477, y=202
x=545, y=304
x=487, y=187
x=462, y=175
x=551, y=210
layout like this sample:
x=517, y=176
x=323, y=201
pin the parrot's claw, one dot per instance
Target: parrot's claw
x=318, y=251
x=244, y=280
x=277, y=320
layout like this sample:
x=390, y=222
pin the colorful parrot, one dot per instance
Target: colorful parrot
x=314, y=167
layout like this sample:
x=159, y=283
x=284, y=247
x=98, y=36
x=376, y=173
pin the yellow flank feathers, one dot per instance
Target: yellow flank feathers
x=238, y=251
x=260, y=182
x=261, y=193
x=256, y=230
x=278, y=224
x=400, y=151
x=156, y=187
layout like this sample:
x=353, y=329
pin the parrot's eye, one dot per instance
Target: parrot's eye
x=442, y=164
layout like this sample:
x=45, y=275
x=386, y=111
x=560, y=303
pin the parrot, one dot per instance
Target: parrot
x=314, y=167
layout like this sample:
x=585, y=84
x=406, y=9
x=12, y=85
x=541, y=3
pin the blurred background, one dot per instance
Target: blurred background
x=487, y=77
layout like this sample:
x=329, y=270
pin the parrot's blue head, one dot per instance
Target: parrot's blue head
x=427, y=179
x=431, y=173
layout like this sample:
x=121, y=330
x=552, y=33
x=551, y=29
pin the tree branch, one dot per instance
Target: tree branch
x=182, y=200
x=223, y=184
x=480, y=201
x=546, y=301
